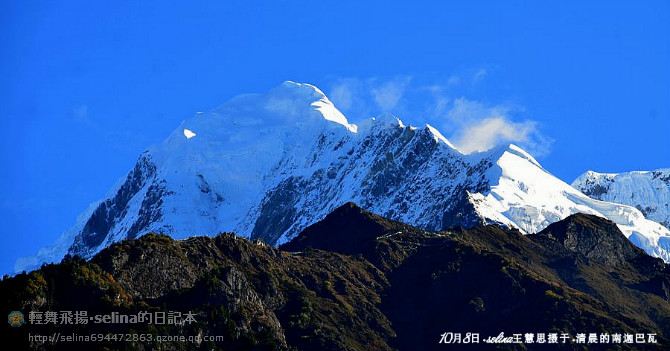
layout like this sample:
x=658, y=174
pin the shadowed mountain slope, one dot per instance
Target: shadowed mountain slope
x=358, y=281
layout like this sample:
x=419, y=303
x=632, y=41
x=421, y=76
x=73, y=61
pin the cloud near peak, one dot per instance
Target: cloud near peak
x=474, y=126
x=388, y=94
x=485, y=134
x=471, y=125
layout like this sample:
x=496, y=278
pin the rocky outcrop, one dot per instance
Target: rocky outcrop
x=593, y=237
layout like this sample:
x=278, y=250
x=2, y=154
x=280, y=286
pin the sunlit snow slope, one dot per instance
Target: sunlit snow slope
x=267, y=165
x=648, y=191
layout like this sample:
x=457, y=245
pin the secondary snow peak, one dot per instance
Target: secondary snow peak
x=439, y=137
x=648, y=191
x=501, y=151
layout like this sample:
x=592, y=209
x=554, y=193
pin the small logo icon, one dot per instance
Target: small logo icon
x=15, y=319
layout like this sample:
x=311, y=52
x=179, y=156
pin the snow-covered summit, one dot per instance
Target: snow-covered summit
x=648, y=191
x=524, y=195
x=299, y=105
x=439, y=137
x=268, y=165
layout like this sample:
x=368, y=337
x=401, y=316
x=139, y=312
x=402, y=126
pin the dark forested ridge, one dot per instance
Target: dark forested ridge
x=357, y=281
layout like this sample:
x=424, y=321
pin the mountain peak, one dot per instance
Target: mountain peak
x=312, y=89
x=439, y=137
x=317, y=100
x=594, y=237
x=268, y=165
x=648, y=191
x=288, y=105
x=519, y=152
x=347, y=229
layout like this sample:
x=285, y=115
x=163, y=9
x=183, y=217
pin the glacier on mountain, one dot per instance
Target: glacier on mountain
x=648, y=191
x=265, y=166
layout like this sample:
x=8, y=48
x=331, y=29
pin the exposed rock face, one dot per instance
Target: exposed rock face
x=108, y=213
x=358, y=281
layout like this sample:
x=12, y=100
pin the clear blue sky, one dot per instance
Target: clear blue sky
x=86, y=87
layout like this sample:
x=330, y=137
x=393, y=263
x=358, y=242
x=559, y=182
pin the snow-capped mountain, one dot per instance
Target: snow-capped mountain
x=266, y=166
x=648, y=191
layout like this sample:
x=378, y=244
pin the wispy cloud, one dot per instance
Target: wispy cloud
x=471, y=124
x=388, y=94
x=479, y=75
x=475, y=126
x=467, y=78
x=492, y=131
x=343, y=94
x=364, y=97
